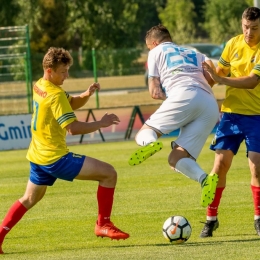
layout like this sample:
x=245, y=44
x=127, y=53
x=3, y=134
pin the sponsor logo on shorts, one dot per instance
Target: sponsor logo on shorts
x=76, y=155
x=213, y=142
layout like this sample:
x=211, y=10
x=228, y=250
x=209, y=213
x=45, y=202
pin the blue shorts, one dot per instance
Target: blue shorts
x=233, y=129
x=66, y=168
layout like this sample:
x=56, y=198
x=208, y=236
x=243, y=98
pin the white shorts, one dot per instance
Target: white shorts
x=192, y=110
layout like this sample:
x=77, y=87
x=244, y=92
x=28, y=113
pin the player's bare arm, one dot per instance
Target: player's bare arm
x=246, y=82
x=80, y=100
x=78, y=127
x=155, y=88
x=222, y=72
x=207, y=75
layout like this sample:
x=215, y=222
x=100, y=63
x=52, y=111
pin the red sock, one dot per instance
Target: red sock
x=212, y=210
x=105, y=197
x=256, y=198
x=14, y=214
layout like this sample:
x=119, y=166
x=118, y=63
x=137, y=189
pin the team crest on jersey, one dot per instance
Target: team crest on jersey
x=236, y=55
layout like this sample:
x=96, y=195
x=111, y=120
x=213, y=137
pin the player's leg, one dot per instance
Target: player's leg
x=173, y=113
x=226, y=143
x=254, y=164
x=32, y=195
x=252, y=140
x=197, y=123
x=181, y=161
x=222, y=163
x=147, y=139
x=106, y=175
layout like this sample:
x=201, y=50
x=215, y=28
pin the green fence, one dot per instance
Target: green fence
x=19, y=68
x=109, y=62
x=15, y=69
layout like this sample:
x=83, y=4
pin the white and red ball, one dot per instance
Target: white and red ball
x=177, y=229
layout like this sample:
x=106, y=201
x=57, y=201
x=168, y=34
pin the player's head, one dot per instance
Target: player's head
x=251, y=25
x=56, y=64
x=251, y=14
x=156, y=35
x=55, y=57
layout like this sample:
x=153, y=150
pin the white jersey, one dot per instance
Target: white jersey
x=177, y=67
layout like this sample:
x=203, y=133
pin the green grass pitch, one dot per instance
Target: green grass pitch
x=61, y=226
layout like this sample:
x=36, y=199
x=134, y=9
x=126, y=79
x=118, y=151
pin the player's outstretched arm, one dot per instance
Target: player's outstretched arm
x=246, y=82
x=78, y=127
x=80, y=100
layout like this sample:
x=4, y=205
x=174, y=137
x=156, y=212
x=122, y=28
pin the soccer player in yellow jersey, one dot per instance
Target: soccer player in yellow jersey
x=48, y=154
x=241, y=112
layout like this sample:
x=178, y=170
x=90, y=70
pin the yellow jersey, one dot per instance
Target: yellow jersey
x=51, y=114
x=241, y=59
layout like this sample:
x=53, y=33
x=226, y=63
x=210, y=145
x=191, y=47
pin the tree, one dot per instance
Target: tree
x=86, y=24
x=199, y=19
x=148, y=15
x=223, y=18
x=8, y=12
x=50, y=26
x=178, y=16
x=111, y=24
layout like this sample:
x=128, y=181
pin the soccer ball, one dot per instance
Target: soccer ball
x=177, y=229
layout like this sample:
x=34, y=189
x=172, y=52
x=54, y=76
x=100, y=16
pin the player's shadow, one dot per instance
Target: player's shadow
x=187, y=244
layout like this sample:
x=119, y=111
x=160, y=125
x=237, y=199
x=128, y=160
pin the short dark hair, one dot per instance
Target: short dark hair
x=159, y=33
x=251, y=14
x=55, y=57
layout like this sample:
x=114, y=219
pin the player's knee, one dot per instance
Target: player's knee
x=30, y=201
x=111, y=174
x=255, y=174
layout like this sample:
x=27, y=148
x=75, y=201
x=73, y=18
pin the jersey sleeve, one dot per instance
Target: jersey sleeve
x=224, y=61
x=152, y=66
x=256, y=69
x=69, y=97
x=62, y=110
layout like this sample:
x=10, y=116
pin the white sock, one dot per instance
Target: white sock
x=190, y=169
x=146, y=136
x=212, y=218
x=256, y=217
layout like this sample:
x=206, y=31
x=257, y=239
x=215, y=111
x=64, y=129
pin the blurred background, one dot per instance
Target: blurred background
x=107, y=33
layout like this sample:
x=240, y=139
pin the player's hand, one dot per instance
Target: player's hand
x=91, y=89
x=211, y=71
x=109, y=119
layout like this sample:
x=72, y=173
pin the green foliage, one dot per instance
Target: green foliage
x=179, y=22
x=116, y=25
x=199, y=19
x=250, y=2
x=223, y=19
x=110, y=24
x=148, y=15
x=112, y=62
x=8, y=12
x=61, y=225
x=44, y=33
